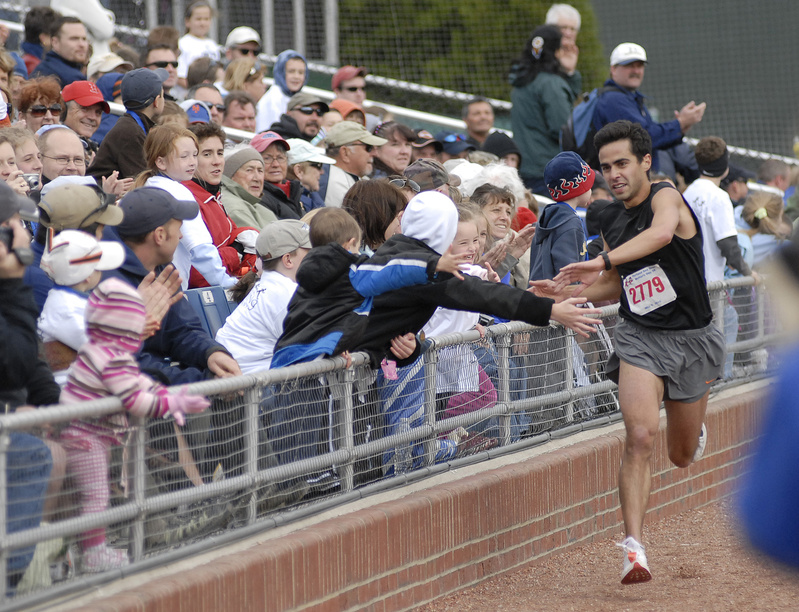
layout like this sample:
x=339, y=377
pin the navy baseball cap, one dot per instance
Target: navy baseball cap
x=140, y=87
x=147, y=208
x=454, y=144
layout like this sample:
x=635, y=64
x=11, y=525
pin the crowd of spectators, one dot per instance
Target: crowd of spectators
x=177, y=204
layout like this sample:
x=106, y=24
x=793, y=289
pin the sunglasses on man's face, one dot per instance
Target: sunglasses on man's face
x=244, y=51
x=354, y=89
x=164, y=64
x=40, y=110
x=316, y=165
x=310, y=110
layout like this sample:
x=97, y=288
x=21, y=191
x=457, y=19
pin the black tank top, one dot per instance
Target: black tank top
x=682, y=262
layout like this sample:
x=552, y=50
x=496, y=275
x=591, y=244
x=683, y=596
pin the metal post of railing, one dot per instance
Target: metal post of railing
x=298, y=8
x=331, y=32
x=570, y=341
x=5, y=442
x=346, y=417
x=503, y=392
x=178, y=10
x=430, y=372
x=151, y=14
x=138, y=482
x=761, y=311
x=267, y=26
x=251, y=427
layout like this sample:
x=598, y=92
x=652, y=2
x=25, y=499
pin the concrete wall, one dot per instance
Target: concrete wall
x=398, y=554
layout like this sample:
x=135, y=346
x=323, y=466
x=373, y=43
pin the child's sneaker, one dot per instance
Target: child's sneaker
x=101, y=558
x=700, y=449
x=635, y=568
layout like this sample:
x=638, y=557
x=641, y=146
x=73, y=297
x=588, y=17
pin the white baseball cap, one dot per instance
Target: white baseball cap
x=303, y=151
x=72, y=256
x=627, y=53
x=241, y=35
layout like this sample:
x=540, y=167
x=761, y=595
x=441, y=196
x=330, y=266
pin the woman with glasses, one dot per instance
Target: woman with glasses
x=291, y=74
x=245, y=74
x=171, y=155
x=307, y=164
x=394, y=156
x=281, y=196
x=40, y=102
x=545, y=85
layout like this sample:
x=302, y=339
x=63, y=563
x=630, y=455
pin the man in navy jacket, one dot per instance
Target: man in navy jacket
x=69, y=53
x=622, y=100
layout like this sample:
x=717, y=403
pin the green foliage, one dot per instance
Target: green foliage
x=465, y=45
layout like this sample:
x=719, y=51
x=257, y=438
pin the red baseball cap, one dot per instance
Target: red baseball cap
x=84, y=93
x=345, y=73
x=261, y=141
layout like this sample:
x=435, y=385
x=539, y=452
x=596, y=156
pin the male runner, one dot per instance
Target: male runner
x=666, y=347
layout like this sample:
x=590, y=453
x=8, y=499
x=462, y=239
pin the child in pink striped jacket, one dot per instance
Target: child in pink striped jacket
x=105, y=365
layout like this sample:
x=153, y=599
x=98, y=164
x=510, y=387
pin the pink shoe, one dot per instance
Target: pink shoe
x=101, y=558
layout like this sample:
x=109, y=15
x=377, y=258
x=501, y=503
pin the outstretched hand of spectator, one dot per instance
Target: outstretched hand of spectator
x=521, y=241
x=159, y=294
x=223, y=365
x=495, y=255
x=690, y=114
x=115, y=185
x=181, y=403
x=570, y=315
x=403, y=346
x=567, y=57
x=491, y=276
x=452, y=263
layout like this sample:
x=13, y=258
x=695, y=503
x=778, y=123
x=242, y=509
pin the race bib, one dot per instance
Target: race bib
x=648, y=289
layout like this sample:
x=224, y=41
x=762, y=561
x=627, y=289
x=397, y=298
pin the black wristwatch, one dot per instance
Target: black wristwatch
x=606, y=257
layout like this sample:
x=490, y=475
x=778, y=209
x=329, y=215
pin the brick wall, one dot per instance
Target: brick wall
x=399, y=554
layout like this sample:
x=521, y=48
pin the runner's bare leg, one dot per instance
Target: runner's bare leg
x=684, y=422
x=640, y=394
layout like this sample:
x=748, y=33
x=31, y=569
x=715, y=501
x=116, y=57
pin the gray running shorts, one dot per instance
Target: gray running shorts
x=688, y=360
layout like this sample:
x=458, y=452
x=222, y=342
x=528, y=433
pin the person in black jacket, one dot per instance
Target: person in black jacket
x=23, y=376
x=280, y=195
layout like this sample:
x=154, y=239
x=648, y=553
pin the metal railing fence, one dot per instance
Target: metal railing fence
x=282, y=444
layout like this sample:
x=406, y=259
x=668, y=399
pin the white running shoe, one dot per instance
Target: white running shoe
x=636, y=568
x=101, y=558
x=700, y=449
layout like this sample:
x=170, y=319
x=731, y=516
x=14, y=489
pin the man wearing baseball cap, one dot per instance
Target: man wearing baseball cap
x=621, y=99
x=352, y=146
x=84, y=109
x=307, y=164
x=303, y=117
x=425, y=146
x=242, y=42
x=349, y=83
x=150, y=232
x=123, y=147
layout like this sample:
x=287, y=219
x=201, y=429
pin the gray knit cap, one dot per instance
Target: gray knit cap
x=236, y=157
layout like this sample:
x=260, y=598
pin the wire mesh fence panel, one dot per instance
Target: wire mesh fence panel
x=271, y=449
